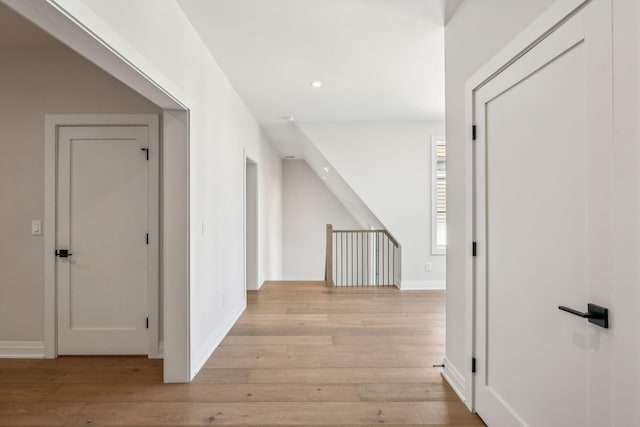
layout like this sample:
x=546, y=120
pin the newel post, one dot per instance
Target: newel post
x=328, y=264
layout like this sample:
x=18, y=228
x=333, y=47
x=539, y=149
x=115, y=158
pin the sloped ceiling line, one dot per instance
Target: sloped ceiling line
x=336, y=183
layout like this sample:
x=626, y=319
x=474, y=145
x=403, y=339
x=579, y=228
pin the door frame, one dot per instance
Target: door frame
x=248, y=160
x=52, y=123
x=462, y=378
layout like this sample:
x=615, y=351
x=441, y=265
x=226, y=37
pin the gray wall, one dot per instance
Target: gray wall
x=33, y=83
x=308, y=206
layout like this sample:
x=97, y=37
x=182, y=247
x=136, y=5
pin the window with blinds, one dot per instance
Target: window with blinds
x=438, y=195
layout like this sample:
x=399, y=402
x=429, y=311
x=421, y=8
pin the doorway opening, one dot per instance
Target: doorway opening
x=251, y=225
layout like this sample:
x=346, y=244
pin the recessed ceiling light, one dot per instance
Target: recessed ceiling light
x=316, y=84
x=324, y=178
x=288, y=118
x=326, y=169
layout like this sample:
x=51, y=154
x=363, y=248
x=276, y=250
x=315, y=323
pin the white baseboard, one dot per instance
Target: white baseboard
x=258, y=286
x=22, y=349
x=423, y=285
x=161, y=350
x=214, y=341
x=454, y=378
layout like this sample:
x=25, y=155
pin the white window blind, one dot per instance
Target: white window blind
x=439, y=195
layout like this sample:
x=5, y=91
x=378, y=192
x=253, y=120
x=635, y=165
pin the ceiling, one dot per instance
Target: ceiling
x=378, y=60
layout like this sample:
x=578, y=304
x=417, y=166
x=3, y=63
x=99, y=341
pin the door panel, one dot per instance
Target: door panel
x=539, y=231
x=102, y=219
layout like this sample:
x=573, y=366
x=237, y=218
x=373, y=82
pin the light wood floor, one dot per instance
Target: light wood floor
x=300, y=355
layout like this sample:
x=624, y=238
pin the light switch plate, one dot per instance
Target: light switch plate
x=36, y=227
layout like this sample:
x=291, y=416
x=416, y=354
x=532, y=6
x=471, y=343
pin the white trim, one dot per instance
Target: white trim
x=161, y=349
x=454, y=378
x=537, y=31
x=248, y=160
x=52, y=123
x=244, y=221
x=22, y=349
x=176, y=247
x=423, y=285
x=555, y=16
x=88, y=38
x=213, y=342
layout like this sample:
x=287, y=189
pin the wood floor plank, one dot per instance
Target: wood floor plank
x=387, y=318
x=236, y=350
x=453, y=412
x=249, y=414
x=328, y=360
x=301, y=355
x=423, y=339
x=406, y=392
x=277, y=340
x=344, y=375
x=364, y=308
x=206, y=392
x=222, y=376
x=42, y=414
x=365, y=350
x=25, y=393
x=333, y=331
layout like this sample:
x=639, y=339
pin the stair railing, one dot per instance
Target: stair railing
x=357, y=258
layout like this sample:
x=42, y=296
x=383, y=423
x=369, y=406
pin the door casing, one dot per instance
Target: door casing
x=250, y=225
x=52, y=123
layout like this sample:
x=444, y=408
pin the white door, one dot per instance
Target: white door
x=542, y=190
x=102, y=205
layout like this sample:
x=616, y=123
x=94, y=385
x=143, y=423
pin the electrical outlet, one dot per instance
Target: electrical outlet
x=427, y=266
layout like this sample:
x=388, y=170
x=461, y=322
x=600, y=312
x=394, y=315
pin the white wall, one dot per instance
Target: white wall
x=160, y=42
x=388, y=165
x=308, y=207
x=476, y=32
x=33, y=83
x=270, y=219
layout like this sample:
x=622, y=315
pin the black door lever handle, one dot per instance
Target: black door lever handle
x=576, y=312
x=595, y=314
x=63, y=253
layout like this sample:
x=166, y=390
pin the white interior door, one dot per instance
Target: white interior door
x=542, y=185
x=102, y=219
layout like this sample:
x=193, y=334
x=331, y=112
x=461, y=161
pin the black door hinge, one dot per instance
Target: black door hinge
x=147, y=238
x=147, y=323
x=474, y=249
x=146, y=150
x=473, y=132
x=473, y=365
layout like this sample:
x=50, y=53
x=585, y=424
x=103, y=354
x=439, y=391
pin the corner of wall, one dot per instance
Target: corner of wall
x=201, y=356
x=456, y=380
